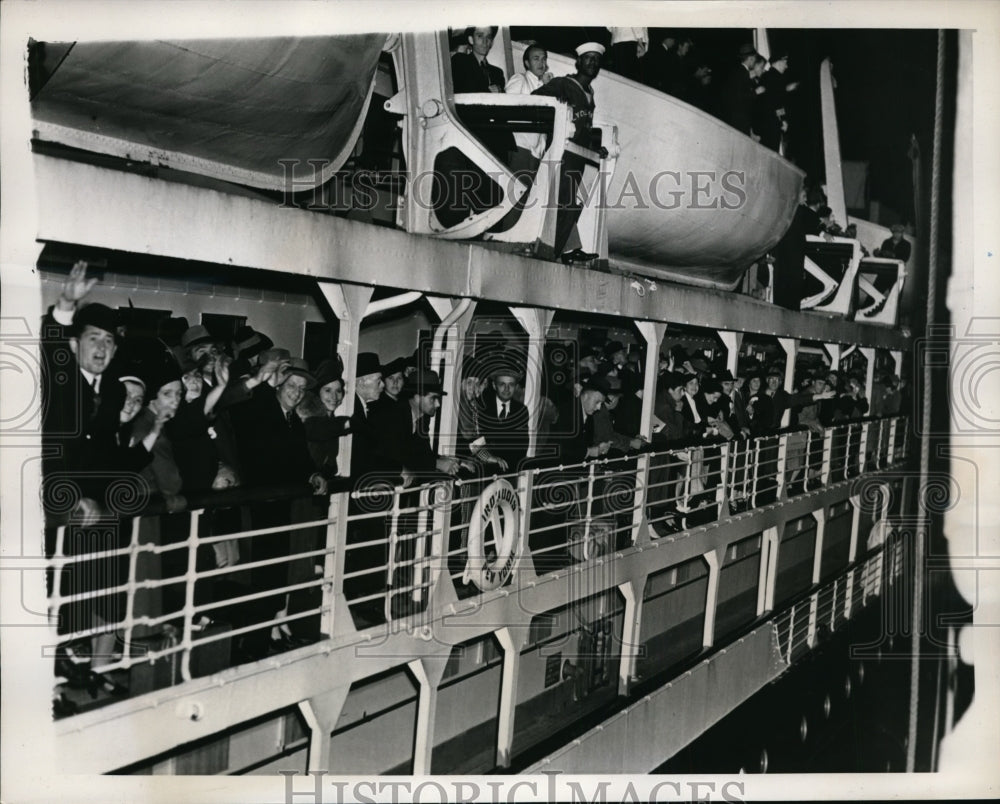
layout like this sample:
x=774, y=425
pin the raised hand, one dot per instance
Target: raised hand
x=76, y=287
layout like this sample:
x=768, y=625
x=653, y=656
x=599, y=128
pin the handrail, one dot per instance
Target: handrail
x=394, y=548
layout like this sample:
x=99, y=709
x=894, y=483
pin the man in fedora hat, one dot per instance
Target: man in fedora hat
x=575, y=90
x=368, y=453
x=572, y=439
x=423, y=391
x=82, y=403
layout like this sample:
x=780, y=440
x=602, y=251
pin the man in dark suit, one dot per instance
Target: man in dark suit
x=738, y=92
x=503, y=420
x=82, y=401
x=896, y=247
x=471, y=72
x=573, y=435
x=367, y=451
x=274, y=452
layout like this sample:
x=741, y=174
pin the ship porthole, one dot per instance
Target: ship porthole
x=827, y=706
x=847, y=686
x=803, y=729
x=763, y=760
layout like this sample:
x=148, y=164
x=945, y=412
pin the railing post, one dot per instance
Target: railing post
x=639, y=501
x=863, y=448
x=133, y=559
x=333, y=559
x=189, y=581
x=585, y=547
x=825, y=472
x=722, y=490
x=391, y=563
x=781, y=465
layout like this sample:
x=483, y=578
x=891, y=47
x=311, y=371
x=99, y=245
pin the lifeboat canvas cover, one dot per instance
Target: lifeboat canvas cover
x=230, y=109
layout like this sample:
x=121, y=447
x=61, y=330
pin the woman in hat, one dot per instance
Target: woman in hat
x=324, y=428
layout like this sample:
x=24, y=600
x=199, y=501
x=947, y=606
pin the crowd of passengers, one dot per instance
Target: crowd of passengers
x=752, y=97
x=182, y=418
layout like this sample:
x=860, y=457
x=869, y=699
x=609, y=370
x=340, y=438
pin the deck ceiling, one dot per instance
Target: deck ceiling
x=230, y=109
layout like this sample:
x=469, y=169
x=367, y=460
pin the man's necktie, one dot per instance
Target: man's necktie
x=486, y=72
x=503, y=412
x=97, y=398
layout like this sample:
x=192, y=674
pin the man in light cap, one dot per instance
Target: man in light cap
x=575, y=90
x=896, y=247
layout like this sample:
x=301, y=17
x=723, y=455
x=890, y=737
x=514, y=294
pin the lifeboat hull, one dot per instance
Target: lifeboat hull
x=237, y=110
x=691, y=198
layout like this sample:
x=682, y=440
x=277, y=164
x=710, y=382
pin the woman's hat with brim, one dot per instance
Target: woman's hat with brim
x=298, y=366
x=327, y=371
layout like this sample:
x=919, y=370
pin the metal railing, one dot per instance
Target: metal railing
x=192, y=593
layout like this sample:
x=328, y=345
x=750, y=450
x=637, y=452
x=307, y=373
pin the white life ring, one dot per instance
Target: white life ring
x=498, y=500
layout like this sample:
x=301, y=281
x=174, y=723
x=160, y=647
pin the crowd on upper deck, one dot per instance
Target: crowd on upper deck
x=752, y=95
x=186, y=415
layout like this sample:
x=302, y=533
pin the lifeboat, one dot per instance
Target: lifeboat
x=691, y=198
x=236, y=110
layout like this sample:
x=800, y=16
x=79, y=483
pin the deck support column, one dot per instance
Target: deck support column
x=732, y=341
x=536, y=323
x=820, y=516
x=852, y=553
x=791, y=347
x=511, y=641
x=349, y=303
x=321, y=714
x=446, y=356
x=714, y=559
x=833, y=350
x=768, y=570
x=631, y=632
x=652, y=334
x=428, y=672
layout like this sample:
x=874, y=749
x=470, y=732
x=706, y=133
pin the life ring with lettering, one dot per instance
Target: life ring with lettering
x=498, y=505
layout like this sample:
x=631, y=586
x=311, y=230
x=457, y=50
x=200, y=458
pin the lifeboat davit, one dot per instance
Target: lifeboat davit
x=691, y=198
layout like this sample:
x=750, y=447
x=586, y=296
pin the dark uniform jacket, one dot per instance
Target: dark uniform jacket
x=737, y=100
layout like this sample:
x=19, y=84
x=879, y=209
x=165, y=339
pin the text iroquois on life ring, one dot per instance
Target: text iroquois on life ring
x=498, y=497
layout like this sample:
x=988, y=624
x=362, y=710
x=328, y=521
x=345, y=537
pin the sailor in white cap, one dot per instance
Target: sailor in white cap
x=575, y=91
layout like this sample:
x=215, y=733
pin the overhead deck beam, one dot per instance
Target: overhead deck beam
x=129, y=212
